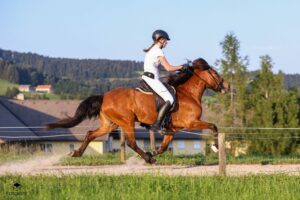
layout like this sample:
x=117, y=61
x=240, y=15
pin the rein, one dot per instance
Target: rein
x=213, y=77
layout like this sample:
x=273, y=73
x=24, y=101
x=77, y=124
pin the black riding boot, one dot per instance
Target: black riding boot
x=161, y=115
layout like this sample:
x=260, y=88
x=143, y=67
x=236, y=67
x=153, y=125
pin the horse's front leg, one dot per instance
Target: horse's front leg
x=199, y=125
x=164, y=145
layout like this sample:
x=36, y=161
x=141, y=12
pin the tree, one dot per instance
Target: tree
x=273, y=107
x=11, y=93
x=233, y=69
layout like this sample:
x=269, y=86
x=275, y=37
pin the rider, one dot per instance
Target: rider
x=153, y=58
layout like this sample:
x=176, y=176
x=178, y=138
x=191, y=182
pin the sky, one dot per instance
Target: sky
x=116, y=29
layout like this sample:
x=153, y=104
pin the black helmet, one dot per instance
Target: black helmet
x=156, y=35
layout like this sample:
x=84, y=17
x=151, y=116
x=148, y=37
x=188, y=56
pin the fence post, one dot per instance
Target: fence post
x=122, y=146
x=222, y=154
x=152, y=140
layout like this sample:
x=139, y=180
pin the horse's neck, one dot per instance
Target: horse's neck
x=195, y=88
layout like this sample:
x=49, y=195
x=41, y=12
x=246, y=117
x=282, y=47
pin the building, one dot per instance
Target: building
x=20, y=96
x=25, y=88
x=25, y=116
x=44, y=88
x=183, y=143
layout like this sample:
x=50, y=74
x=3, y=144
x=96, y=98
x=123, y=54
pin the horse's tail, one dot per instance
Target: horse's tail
x=89, y=108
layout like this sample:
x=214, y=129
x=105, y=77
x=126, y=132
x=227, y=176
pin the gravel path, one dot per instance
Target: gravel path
x=137, y=167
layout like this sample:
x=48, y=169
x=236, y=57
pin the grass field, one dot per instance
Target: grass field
x=150, y=187
x=164, y=159
x=4, y=85
x=50, y=96
x=168, y=159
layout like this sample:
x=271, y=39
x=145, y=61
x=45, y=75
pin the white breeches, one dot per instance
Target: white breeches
x=159, y=88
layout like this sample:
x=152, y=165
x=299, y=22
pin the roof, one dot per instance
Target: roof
x=8, y=119
x=24, y=86
x=36, y=113
x=43, y=86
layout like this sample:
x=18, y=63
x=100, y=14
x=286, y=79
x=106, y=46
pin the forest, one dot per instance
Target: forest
x=71, y=78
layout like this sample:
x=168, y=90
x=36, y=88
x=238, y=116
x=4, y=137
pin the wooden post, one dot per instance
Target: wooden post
x=222, y=154
x=152, y=140
x=122, y=146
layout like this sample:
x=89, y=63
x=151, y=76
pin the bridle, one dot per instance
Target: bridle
x=219, y=84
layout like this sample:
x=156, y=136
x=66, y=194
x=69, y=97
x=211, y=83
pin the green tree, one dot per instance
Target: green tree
x=11, y=93
x=272, y=107
x=234, y=70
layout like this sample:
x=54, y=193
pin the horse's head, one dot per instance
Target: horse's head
x=210, y=76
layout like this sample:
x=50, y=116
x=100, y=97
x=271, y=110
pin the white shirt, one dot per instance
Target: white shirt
x=152, y=62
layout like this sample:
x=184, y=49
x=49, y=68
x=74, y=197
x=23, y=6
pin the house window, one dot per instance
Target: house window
x=72, y=147
x=181, y=145
x=196, y=144
x=43, y=147
x=146, y=144
x=46, y=147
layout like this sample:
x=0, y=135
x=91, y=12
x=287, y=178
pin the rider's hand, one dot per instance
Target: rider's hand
x=185, y=68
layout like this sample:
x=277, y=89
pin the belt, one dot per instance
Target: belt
x=149, y=74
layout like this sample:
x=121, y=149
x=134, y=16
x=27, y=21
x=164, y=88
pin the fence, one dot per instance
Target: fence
x=221, y=138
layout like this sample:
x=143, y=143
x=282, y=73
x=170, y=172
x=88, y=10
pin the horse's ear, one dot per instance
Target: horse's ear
x=200, y=63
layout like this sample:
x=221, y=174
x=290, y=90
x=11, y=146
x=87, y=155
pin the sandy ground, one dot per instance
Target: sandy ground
x=136, y=166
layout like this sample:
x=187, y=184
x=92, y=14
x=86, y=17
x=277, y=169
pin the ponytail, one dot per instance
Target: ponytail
x=148, y=49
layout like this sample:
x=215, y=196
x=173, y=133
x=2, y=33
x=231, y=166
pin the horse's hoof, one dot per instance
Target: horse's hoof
x=154, y=153
x=152, y=160
x=149, y=154
x=214, y=148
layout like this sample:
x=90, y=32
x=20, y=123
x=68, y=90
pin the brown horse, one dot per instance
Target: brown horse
x=122, y=107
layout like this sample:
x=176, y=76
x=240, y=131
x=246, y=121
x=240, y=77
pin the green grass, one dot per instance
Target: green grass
x=9, y=157
x=32, y=95
x=164, y=159
x=4, y=84
x=53, y=96
x=107, y=159
x=198, y=159
x=150, y=187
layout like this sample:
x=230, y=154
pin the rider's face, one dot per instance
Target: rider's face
x=163, y=42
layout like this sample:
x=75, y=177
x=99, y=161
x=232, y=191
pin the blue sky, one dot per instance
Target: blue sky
x=121, y=29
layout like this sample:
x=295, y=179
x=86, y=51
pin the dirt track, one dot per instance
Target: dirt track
x=171, y=170
x=137, y=167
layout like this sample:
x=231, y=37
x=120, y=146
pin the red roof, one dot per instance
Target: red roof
x=43, y=87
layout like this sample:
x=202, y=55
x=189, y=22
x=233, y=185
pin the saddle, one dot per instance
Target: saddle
x=145, y=88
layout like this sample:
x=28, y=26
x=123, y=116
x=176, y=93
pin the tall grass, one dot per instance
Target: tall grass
x=150, y=187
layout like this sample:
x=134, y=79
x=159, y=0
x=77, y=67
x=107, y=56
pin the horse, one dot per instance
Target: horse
x=122, y=107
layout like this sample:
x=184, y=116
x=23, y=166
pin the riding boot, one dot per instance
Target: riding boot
x=161, y=115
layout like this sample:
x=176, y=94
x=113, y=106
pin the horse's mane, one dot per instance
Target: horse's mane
x=181, y=77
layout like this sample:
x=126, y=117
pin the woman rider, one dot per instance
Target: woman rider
x=153, y=58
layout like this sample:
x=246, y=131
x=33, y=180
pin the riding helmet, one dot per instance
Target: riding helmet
x=160, y=34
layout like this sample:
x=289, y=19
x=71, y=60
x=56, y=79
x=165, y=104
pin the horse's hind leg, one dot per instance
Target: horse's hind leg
x=130, y=139
x=106, y=127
